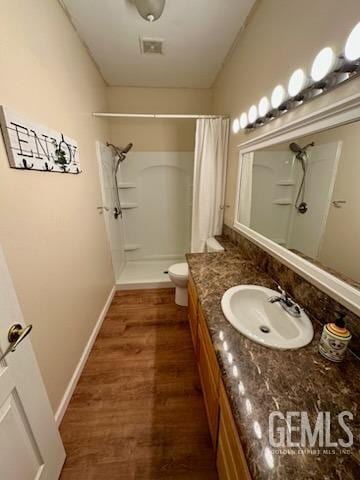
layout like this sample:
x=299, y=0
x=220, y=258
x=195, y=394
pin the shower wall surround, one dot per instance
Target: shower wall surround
x=156, y=197
x=318, y=304
x=114, y=227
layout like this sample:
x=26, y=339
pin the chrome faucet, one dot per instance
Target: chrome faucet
x=288, y=304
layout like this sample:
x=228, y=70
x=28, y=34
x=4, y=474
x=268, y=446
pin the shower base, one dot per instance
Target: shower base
x=141, y=274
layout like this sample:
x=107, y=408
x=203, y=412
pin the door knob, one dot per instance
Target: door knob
x=16, y=335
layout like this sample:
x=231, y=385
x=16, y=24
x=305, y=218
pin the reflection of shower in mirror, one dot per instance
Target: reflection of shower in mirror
x=283, y=182
x=301, y=153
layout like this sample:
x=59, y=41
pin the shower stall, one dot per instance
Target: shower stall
x=147, y=205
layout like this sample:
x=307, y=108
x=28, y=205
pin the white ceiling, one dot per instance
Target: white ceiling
x=197, y=37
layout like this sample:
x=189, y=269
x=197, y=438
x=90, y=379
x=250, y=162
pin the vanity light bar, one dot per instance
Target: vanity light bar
x=327, y=71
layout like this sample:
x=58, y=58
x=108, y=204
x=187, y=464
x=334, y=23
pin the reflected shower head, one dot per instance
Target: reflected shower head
x=301, y=155
x=295, y=148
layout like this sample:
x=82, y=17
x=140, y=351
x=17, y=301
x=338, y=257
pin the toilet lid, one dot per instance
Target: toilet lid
x=180, y=269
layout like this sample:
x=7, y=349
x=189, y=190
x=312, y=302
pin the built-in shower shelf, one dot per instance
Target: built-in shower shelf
x=126, y=185
x=128, y=206
x=130, y=247
x=286, y=183
x=283, y=201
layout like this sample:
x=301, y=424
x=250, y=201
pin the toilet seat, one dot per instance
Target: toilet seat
x=180, y=270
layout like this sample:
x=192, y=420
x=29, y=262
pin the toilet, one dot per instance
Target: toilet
x=179, y=273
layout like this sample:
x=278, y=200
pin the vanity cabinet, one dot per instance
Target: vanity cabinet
x=230, y=459
x=193, y=313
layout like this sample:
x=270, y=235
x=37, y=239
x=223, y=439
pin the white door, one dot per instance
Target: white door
x=30, y=444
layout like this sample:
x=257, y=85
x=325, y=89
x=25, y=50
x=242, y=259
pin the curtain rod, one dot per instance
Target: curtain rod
x=155, y=115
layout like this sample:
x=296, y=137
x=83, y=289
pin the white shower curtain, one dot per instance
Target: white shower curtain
x=245, y=191
x=211, y=147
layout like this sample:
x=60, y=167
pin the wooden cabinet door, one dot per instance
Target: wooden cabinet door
x=224, y=463
x=208, y=345
x=193, y=319
x=231, y=462
x=209, y=383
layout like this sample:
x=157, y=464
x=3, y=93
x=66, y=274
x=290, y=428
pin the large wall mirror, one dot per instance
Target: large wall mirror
x=303, y=194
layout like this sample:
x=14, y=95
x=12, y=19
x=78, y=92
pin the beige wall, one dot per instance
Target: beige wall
x=53, y=238
x=157, y=134
x=280, y=36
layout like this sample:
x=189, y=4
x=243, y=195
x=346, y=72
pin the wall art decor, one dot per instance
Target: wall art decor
x=31, y=146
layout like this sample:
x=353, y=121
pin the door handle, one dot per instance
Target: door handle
x=16, y=335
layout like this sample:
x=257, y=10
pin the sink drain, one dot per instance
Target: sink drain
x=264, y=329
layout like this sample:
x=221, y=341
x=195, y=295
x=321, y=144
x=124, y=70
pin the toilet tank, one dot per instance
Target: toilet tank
x=212, y=245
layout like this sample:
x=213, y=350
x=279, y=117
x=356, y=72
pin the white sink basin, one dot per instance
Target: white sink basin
x=248, y=309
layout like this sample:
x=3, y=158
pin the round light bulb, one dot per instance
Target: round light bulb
x=243, y=120
x=252, y=115
x=278, y=96
x=236, y=125
x=352, y=46
x=264, y=106
x=297, y=82
x=323, y=63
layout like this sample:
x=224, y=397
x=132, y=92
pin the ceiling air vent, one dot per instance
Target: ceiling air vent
x=151, y=45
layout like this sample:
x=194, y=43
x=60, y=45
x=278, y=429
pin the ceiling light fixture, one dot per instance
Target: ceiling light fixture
x=150, y=10
x=352, y=47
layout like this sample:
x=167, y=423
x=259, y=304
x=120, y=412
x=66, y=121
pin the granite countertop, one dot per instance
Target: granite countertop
x=267, y=380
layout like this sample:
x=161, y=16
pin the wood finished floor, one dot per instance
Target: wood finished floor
x=137, y=411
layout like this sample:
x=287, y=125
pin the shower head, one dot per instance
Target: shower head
x=299, y=151
x=295, y=147
x=127, y=148
x=120, y=152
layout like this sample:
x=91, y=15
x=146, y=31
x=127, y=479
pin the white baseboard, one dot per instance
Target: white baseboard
x=79, y=368
x=144, y=285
